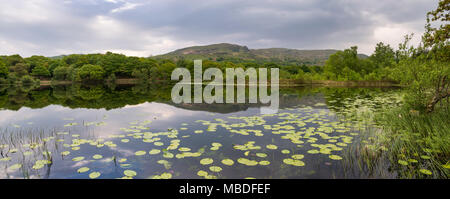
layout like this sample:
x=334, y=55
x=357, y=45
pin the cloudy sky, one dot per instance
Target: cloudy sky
x=143, y=28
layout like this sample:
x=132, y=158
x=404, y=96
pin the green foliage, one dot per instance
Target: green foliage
x=410, y=135
x=346, y=65
x=91, y=72
x=20, y=69
x=27, y=79
x=441, y=34
x=61, y=73
x=384, y=56
x=3, y=70
x=40, y=71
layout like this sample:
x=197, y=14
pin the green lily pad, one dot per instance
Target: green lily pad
x=264, y=163
x=215, y=169
x=166, y=176
x=335, y=157
x=206, y=161
x=202, y=173
x=402, y=162
x=139, y=153
x=15, y=167
x=154, y=151
x=313, y=151
x=425, y=171
x=228, y=162
x=83, y=169
x=285, y=151
x=261, y=155
x=79, y=158
x=298, y=156
x=426, y=157
x=94, y=175
x=129, y=173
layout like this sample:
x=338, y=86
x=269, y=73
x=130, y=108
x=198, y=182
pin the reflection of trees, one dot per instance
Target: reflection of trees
x=83, y=96
x=91, y=93
x=117, y=96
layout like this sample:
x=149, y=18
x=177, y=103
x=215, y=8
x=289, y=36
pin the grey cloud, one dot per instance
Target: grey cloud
x=155, y=27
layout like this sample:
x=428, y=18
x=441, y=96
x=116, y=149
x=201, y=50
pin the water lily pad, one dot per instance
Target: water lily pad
x=313, y=151
x=83, y=169
x=215, y=169
x=298, y=156
x=261, y=155
x=5, y=159
x=402, y=162
x=228, y=162
x=202, y=173
x=79, y=158
x=97, y=156
x=129, y=173
x=15, y=167
x=206, y=161
x=38, y=166
x=447, y=166
x=426, y=157
x=184, y=149
x=154, y=151
x=335, y=157
x=272, y=147
x=166, y=176
x=264, y=163
x=285, y=151
x=247, y=162
x=139, y=153
x=94, y=175
x=293, y=162
x=425, y=171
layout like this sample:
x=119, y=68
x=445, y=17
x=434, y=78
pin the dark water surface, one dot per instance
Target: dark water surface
x=98, y=131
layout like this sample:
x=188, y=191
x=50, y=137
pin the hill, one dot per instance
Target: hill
x=236, y=53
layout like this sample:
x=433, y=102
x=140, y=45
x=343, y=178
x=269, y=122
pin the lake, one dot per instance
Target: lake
x=135, y=131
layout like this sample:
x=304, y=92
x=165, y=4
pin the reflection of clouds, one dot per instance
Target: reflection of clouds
x=162, y=111
x=124, y=152
x=7, y=116
x=81, y=163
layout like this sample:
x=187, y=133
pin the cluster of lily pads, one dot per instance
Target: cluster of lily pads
x=301, y=126
x=288, y=139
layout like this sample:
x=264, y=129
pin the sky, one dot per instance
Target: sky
x=145, y=28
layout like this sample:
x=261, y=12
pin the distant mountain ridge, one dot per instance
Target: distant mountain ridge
x=236, y=53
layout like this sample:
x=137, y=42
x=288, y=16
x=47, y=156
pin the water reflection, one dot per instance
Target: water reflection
x=44, y=129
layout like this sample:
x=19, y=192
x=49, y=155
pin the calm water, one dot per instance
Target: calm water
x=136, y=131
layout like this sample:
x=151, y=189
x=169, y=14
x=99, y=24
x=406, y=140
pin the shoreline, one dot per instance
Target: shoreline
x=283, y=82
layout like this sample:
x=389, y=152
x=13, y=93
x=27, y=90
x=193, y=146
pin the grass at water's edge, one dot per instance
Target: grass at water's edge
x=416, y=145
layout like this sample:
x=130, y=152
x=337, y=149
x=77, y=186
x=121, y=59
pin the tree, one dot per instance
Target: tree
x=20, y=69
x=383, y=56
x=12, y=60
x=438, y=39
x=437, y=35
x=347, y=59
x=40, y=71
x=91, y=72
x=37, y=61
x=3, y=70
x=61, y=73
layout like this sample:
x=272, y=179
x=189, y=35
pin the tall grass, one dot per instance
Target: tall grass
x=412, y=136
